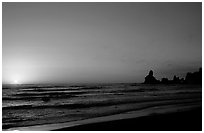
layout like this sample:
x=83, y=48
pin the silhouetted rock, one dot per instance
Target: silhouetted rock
x=165, y=81
x=182, y=80
x=150, y=79
x=176, y=80
x=191, y=78
x=194, y=78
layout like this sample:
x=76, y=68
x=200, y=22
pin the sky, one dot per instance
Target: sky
x=99, y=42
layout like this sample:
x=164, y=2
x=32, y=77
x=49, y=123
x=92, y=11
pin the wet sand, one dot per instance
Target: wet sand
x=190, y=120
x=158, y=118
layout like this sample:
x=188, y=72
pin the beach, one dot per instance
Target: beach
x=179, y=121
x=163, y=118
x=102, y=107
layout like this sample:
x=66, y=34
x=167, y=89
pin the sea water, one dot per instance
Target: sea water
x=36, y=104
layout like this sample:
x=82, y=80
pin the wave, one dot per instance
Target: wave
x=7, y=123
x=102, y=103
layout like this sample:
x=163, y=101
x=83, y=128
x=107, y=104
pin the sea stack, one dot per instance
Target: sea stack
x=194, y=78
x=150, y=79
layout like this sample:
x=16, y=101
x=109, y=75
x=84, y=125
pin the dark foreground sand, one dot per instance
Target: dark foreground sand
x=180, y=121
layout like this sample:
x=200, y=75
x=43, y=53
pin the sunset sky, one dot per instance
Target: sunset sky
x=99, y=42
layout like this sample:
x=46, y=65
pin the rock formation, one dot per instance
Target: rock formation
x=165, y=81
x=194, y=78
x=150, y=79
x=191, y=78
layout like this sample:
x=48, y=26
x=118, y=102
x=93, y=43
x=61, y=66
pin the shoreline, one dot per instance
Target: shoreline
x=179, y=121
x=155, y=115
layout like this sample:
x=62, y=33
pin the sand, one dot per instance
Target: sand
x=180, y=121
x=163, y=118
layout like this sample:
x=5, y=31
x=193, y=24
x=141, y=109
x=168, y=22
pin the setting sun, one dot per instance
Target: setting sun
x=15, y=82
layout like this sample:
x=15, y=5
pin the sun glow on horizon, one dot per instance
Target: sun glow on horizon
x=16, y=82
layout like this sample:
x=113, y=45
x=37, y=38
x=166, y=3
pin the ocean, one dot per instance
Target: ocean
x=38, y=104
